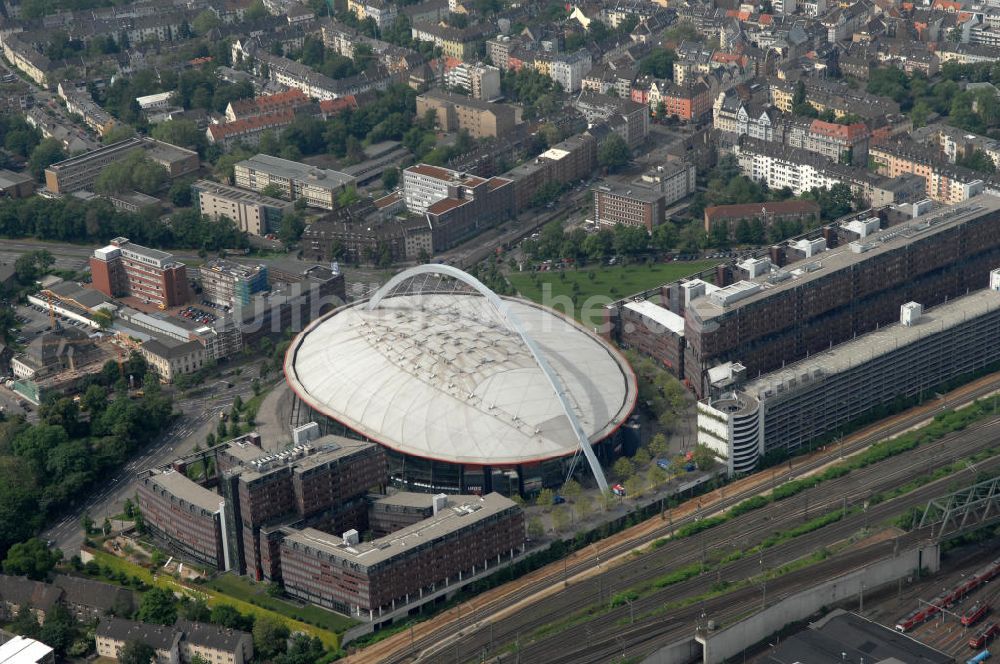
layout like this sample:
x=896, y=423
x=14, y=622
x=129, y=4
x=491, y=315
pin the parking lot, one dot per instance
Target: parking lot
x=197, y=314
x=34, y=320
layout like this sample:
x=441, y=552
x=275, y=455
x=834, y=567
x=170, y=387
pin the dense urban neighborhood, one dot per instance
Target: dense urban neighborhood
x=611, y=331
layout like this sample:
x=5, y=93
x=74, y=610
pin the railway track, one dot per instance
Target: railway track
x=742, y=532
x=422, y=647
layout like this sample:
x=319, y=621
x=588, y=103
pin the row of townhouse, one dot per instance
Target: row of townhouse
x=733, y=116
x=780, y=166
x=944, y=182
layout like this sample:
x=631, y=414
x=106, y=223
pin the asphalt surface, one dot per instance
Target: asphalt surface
x=198, y=416
x=461, y=627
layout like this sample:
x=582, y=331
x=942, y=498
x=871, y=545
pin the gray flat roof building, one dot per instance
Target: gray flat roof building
x=846, y=637
x=457, y=516
x=849, y=256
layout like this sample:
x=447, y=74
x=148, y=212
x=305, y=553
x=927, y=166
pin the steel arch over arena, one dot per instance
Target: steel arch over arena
x=466, y=390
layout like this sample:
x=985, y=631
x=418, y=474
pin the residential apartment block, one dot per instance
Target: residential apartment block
x=567, y=161
x=247, y=131
x=124, y=268
x=947, y=183
x=481, y=80
x=801, y=170
x=460, y=43
x=767, y=214
x=629, y=119
x=241, y=109
x=252, y=212
x=456, y=205
x=319, y=186
x=568, y=69
x=179, y=643
x=382, y=12
x=480, y=119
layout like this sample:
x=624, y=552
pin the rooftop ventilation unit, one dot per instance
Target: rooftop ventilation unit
x=910, y=312
x=351, y=537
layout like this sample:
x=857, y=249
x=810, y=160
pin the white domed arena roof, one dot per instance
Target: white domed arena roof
x=442, y=375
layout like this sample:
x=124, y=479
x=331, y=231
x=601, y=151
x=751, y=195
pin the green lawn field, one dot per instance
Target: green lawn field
x=228, y=589
x=609, y=283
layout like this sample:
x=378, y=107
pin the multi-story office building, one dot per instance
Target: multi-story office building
x=479, y=118
x=231, y=284
x=387, y=514
x=80, y=172
x=424, y=185
x=795, y=406
x=252, y=212
x=124, y=268
x=366, y=578
x=319, y=186
x=187, y=515
x=322, y=483
x=674, y=179
x=628, y=206
x=841, y=292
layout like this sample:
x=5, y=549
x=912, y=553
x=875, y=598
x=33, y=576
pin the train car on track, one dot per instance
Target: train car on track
x=975, y=613
x=985, y=636
x=983, y=575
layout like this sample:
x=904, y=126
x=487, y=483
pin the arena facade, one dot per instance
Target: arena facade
x=468, y=392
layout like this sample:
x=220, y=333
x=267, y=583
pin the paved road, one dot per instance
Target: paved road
x=199, y=416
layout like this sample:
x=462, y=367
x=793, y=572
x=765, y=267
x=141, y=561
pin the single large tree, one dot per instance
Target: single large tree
x=136, y=652
x=158, y=606
x=32, y=559
x=614, y=154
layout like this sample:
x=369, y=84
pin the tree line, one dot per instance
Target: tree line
x=93, y=222
x=45, y=467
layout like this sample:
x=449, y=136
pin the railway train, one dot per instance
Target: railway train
x=981, y=639
x=975, y=614
x=933, y=607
